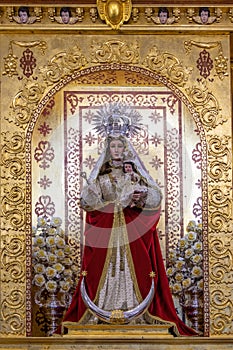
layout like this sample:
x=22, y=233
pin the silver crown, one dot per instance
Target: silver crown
x=117, y=119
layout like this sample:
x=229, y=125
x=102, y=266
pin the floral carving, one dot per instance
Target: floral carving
x=25, y=102
x=206, y=104
x=114, y=51
x=167, y=64
x=62, y=64
x=220, y=158
x=12, y=156
x=12, y=205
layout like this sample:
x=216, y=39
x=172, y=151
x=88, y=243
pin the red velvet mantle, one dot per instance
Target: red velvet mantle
x=146, y=257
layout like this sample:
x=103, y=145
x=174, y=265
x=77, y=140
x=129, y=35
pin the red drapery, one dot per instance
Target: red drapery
x=146, y=256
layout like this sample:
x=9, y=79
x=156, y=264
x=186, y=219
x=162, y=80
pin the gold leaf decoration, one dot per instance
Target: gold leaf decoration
x=114, y=12
x=12, y=258
x=220, y=209
x=12, y=206
x=219, y=158
x=62, y=64
x=114, y=51
x=168, y=65
x=25, y=102
x=222, y=319
x=13, y=301
x=12, y=155
x=206, y=104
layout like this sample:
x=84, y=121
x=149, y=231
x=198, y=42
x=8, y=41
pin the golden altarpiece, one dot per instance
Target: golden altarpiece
x=55, y=74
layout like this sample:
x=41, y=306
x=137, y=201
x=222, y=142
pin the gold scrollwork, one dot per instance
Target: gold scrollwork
x=114, y=12
x=219, y=158
x=12, y=207
x=25, y=102
x=12, y=259
x=11, y=310
x=12, y=156
x=220, y=208
x=222, y=319
x=62, y=64
x=114, y=51
x=168, y=65
x=221, y=61
x=206, y=104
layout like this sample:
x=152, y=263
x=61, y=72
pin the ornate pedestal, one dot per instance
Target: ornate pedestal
x=116, y=331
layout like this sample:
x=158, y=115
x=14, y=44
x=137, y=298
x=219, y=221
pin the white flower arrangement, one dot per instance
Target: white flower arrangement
x=53, y=268
x=185, y=262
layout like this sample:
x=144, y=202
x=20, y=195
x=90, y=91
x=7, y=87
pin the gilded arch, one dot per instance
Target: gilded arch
x=16, y=188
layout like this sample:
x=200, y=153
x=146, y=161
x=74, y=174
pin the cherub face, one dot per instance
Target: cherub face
x=204, y=16
x=163, y=17
x=65, y=17
x=23, y=16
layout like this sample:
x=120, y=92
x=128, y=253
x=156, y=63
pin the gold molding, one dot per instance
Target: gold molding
x=157, y=64
x=114, y=12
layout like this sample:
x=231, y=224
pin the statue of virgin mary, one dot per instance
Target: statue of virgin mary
x=122, y=266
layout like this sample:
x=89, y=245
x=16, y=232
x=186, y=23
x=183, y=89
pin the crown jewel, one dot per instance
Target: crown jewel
x=117, y=119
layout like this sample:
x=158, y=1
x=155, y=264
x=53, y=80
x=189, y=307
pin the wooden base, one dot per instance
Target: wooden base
x=116, y=331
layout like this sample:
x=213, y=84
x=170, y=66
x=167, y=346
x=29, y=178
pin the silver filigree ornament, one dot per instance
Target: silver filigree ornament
x=115, y=119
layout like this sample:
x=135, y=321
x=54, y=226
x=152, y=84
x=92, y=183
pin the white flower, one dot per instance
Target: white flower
x=41, y=255
x=186, y=283
x=52, y=231
x=51, y=286
x=182, y=243
x=179, y=277
x=179, y=264
x=60, y=242
x=67, y=250
x=50, y=240
x=191, y=225
x=196, y=272
x=65, y=286
x=198, y=246
x=38, y=241
x=58, y=268
x=39, y=268
x=176, y=288
x=196, y=259
x=188, y=253
x=67, y=273
x=170, y=271
x=55, y=221
x=39, y=280
x=50, y=272
x=60, y=232
x=200, y=284
x=172, y=255
x=41, y=221
x=52, y=258
x=60, y=254
x=191, y=236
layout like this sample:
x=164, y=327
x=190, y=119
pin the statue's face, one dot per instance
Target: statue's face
x=128, y=168
x=116, y=148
